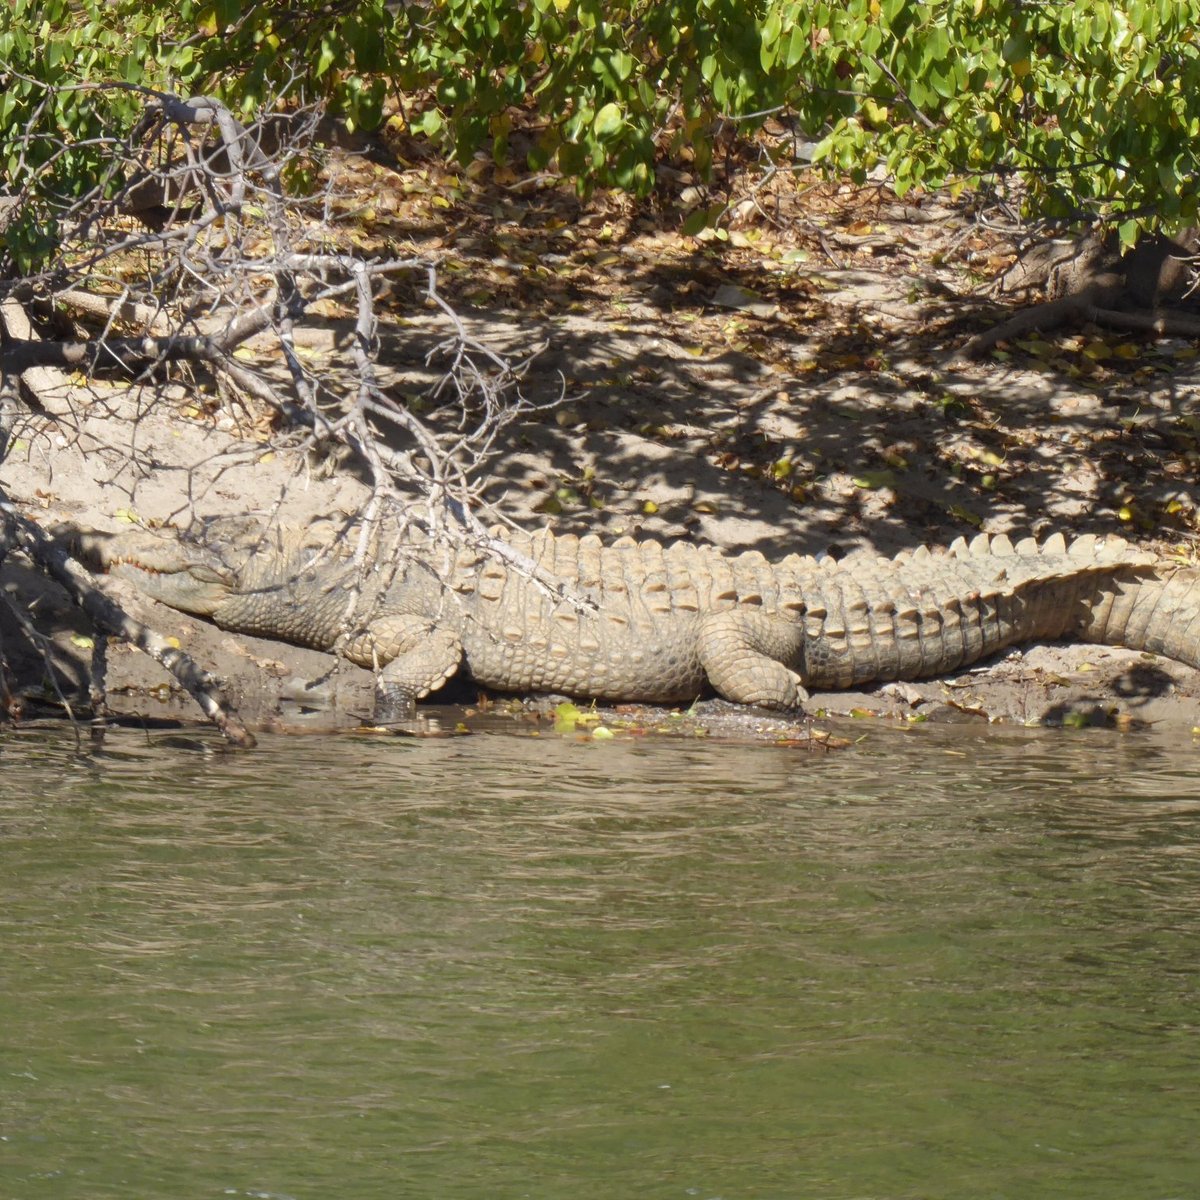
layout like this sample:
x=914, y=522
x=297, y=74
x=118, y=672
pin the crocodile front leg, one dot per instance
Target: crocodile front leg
x=748, y=657
x=419, y=656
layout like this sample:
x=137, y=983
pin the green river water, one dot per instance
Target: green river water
x=938, y=964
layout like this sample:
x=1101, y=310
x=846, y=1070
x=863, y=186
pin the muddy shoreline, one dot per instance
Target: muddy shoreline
x=689, y=391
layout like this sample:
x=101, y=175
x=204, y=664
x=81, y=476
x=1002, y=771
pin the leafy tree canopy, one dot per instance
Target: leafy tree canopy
x=1094, y=107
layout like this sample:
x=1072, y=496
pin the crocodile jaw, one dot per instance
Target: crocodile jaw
x=191, y=588
x=163, y=570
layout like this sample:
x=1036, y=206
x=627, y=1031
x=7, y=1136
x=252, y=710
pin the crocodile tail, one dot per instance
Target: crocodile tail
x=1157, y=611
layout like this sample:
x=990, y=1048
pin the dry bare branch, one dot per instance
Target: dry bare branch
x=188, y=254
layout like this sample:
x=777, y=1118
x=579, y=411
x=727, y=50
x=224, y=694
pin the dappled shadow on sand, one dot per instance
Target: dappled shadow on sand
x=755, y=429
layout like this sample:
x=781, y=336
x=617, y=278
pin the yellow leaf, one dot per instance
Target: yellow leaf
x=600, y=733
x=782, y=468
x=1126, y=350
x=873, y=113
x=649, y=508
x=870, y=480
x=128, y=516
x=82, y=641
x=1125, y=512
x=1096, y=351
x=174, y=643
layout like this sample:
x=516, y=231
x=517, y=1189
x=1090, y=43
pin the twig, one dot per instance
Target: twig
x=110, y=618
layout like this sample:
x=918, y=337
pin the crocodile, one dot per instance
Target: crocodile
x=637, y=621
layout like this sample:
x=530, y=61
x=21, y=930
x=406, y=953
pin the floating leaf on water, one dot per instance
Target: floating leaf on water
x=601, y=733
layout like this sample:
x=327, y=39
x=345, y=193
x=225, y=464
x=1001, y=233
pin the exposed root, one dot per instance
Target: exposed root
x=1088, y=281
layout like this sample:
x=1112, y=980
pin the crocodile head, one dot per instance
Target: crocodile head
x=173, y=572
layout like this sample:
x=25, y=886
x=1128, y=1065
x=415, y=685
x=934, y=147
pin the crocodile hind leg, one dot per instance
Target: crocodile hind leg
x=748, y=658
x=419, y=657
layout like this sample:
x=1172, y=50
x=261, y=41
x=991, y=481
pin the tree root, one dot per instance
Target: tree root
x=1040, y=318
x=1089, y=282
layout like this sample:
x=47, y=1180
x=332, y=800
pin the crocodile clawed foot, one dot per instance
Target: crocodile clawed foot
x=393, y=706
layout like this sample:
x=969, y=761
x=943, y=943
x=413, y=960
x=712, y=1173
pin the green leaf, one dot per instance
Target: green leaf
x=696, y=222
x=608, y=120
x=798, y=46
x=769, y=39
